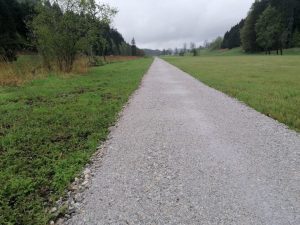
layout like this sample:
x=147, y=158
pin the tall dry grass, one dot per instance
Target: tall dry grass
x=24, y=69
x=81, y=65
x=30, y=67
x=8, y=75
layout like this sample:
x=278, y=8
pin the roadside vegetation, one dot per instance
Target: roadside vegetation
x=240, y=52
x=268, y=84
x=65, y=74
x=49, y=128
x=30, y=67
x=61, y=32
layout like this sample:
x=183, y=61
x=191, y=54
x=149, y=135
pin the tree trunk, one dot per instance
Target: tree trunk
x=281, y=51
x=103, y=55
x=59, y=63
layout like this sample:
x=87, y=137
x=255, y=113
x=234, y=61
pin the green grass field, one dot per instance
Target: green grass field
x=269, y=84
x=240, y=52
x=49, y=128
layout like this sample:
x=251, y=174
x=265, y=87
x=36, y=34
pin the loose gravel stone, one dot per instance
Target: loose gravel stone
x=87, y=171
x=183, y=153
x=53, y=210
x=60, y=221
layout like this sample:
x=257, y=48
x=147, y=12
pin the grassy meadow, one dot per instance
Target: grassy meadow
x=50, y=127
x=269, y=84
x=240, y=52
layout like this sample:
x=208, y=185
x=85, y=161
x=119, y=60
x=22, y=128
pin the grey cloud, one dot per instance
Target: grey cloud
x=170, y=23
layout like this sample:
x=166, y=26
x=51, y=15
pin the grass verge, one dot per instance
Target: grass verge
x=50, y=127
x=30, y=67
x=269, y=84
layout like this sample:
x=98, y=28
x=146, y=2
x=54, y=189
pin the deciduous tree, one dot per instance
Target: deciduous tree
x=248, y=33
x=269, y=29
x=193, y=49
x=67, y=27
x=216, y=44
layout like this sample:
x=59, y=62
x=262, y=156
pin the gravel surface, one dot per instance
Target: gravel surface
x=183, y=153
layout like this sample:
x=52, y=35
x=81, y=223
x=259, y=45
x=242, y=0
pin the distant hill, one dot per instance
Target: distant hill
x=151, y=52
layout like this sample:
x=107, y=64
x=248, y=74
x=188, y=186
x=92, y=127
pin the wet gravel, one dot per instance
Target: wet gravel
x=184, y=153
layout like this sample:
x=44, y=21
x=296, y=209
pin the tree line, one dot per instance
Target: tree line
x=192, y=50
x=269, y=25
x=60, y=30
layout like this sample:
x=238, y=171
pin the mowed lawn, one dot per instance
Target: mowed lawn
x=49, y=129
x=269, y=84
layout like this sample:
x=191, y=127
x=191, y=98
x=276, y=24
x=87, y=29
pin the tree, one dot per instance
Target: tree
x=169, y=51
x=287, y=11
x=116, y=41
x=140, y=52
x=8, y=33
x=232, y=37
x=193, y=49
x=176, y=52
x=133, y=47
x=206, y=44
x=70, y=27
x=248, y=33
x=184, y=50
x=216, y=44
x=125, y=49
x=296, y=39
x=13, y=29
x=269, y=29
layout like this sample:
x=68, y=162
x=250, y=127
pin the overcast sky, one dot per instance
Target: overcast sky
x=159, y=24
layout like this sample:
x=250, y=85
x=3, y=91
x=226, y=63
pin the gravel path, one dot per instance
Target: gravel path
x=183, y=153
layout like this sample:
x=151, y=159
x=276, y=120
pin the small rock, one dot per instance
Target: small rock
x=72, y=210
x=53, y=210
x=59, y=201
x=74, y=187
x=82, y=189
x=85, y=183
x=52, y=222
x=71, y=201
x=87, y=171
x=60, y=221
x=78, y=198
x=77, y=205
x=71, y=198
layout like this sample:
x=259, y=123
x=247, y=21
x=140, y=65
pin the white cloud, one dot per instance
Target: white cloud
x=170, y=23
